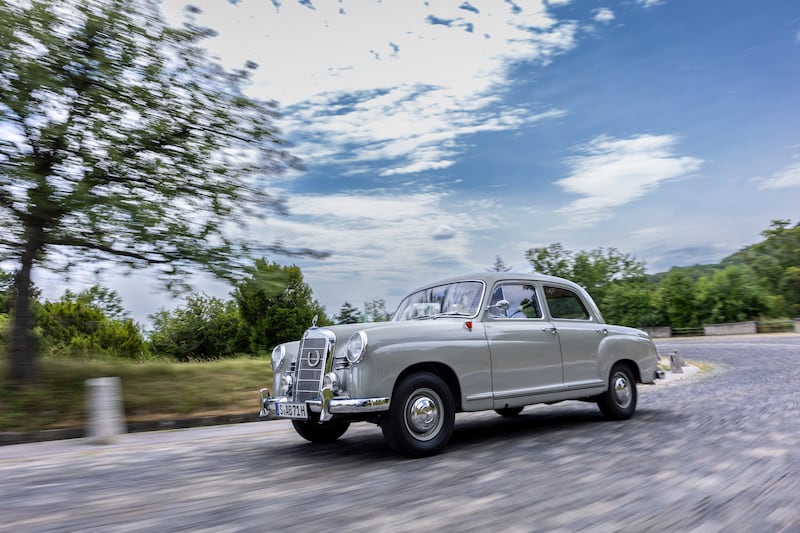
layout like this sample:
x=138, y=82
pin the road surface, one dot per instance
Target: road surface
x=714, y=451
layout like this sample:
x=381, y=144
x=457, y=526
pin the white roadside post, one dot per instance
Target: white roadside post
x=106, y=418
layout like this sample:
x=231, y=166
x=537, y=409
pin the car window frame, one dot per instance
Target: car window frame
x=587, y=308
x=536, y=290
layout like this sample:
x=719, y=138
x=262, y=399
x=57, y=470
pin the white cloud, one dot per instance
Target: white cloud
x=379, y=238
x=788, y=177
x=614, y=172
x=395, y=82
x=649, y=3
x=603, y=14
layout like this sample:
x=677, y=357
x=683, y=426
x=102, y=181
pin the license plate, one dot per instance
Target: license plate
x=291, y=410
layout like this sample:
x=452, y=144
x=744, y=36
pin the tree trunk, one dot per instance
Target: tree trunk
x=24, y=365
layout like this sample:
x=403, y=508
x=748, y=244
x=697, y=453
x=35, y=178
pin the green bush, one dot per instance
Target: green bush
x=75, y=328
x=206, y=328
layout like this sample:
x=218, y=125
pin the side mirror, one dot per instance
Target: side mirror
x=502, y=305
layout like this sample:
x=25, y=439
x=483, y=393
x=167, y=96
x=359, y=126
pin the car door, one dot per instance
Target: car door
x=579, y=334
x=524, y=348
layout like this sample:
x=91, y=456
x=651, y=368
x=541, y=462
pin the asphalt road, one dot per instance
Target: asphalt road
x=714, y=451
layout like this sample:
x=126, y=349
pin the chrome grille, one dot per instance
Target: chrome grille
x=310, y=368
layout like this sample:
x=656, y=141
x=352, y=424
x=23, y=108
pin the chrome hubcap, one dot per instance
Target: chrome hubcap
x=423, y=415
x=622, y=390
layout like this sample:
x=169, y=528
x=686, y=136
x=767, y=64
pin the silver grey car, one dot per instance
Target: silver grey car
x=489, y=341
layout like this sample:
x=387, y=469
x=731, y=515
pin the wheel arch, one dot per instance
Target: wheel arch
x=631, y=364
x=440, y=369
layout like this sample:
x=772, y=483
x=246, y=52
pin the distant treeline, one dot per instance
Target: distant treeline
x=273, y=304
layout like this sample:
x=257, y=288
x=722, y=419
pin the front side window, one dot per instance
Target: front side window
x=565, y=304
x=452, y=299
x=521, y=298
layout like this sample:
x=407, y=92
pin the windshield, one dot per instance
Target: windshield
x=453, y=299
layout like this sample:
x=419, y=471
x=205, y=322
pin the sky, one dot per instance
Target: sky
x=439, y=135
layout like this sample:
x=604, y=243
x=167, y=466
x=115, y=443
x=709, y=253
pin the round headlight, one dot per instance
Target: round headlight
x=277, y=356
x=356, y=347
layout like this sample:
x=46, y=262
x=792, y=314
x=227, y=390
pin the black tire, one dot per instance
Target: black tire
x=421, y=417
x=619, y=401
x=509, y=412
x=313, y=431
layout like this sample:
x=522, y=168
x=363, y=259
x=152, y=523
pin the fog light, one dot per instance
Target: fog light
x=331, y=381
x=286, y=385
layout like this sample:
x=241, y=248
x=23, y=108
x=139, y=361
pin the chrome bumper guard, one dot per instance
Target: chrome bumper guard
x=334, y=405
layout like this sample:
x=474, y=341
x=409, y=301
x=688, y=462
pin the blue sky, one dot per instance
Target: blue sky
x=438, y=135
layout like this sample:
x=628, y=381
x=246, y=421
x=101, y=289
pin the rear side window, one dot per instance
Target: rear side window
x=565, y=304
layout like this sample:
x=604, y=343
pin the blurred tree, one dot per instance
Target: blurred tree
x=677, y=300
x=276, y=304
x=77, y=326
x=632, y=304
x=499, y=265
x=775, y=261
x=594, y=270
x=205, y=328
x=731, y=295
x=122, y=140
x=348, y=314
x=6, y=291
x=375, y=311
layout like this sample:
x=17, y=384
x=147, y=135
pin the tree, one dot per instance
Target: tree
x=204, y=328
x=348, y=314
x=632, y=304
x=276, y=304
x=775, y=262
x=115, y=127
x=375, y=311
x=594, y=270
x=731, y=295
x=78, y=326
x=677, y=300
x=499, y=265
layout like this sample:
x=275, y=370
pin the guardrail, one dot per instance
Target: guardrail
x=738, y=328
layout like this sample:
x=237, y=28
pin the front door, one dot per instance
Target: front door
x=525, y=349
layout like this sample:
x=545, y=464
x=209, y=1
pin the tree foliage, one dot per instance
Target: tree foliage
x=77, y=325
x=594, y=270
x=775, y=262
x=204, y=328
x=677, y=299
x=348, y=314
x=499, y=265
x=276, y=304
x=375, y=311
x=114, y=127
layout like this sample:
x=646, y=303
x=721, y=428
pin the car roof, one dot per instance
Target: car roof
x=492, y=277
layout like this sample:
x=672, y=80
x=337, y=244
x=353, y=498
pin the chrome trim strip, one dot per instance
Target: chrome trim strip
x=481, y=396
x=529, y=392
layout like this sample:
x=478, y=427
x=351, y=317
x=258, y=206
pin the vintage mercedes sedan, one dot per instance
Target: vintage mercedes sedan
x=490, y=341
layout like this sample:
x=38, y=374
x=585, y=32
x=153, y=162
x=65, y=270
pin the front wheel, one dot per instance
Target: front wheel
x=421, y=417
x=313, y=431
x=619, y=401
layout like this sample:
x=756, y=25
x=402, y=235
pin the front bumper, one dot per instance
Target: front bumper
x=328, y=406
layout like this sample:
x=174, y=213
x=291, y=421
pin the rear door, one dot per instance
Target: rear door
x=580, y=335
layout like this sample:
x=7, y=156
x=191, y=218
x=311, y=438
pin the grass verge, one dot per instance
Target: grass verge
x=151, y=391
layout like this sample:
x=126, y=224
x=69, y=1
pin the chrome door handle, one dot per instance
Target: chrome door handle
x=603, y=331
x=551, y=330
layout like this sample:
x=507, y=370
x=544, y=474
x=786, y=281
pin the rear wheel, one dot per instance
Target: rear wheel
x=421, y=417
x=313, y=431
x=619, y=401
